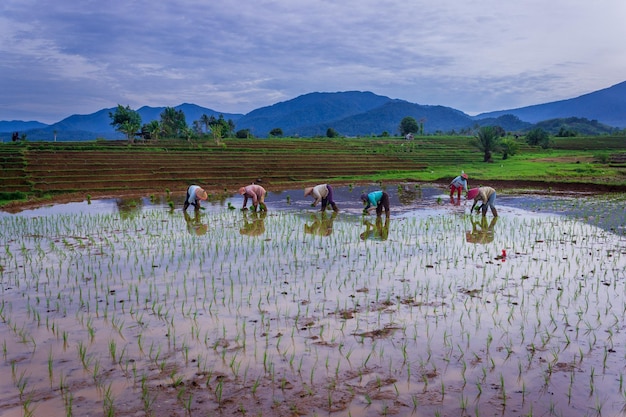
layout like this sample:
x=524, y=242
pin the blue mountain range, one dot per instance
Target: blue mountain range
x=350, y=113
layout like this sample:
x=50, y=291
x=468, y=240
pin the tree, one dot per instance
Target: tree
x=538, y=137
x=508, y=147
x=408, y=125
x=197, y=127
x=154, y=129
x=231, y=128
x=277, y=131
x=486, y=139
x=217, y=129
x=220, y=127
x=187, y=133
x=126, y=120
x=206, y=122
x=173, y=122
x=331, y=133
x=243, y=134
x=566, y=133
x=500, y=131
x=421, y=123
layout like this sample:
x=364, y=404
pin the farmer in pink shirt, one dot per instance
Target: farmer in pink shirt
x=256, y=193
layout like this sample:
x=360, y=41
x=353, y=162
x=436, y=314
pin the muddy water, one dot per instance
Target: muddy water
x=133, y=309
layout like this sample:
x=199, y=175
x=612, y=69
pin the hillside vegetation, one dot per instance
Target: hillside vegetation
x=96, y=168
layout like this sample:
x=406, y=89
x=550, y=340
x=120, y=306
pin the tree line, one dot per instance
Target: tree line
x=172, y=124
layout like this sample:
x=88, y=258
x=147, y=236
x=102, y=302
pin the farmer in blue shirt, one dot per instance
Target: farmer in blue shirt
x=378, y=200
x=458, y=184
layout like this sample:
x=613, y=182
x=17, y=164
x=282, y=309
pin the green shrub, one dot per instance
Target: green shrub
x=12, y=195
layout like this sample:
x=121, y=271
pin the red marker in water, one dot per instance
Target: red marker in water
x=504, y=253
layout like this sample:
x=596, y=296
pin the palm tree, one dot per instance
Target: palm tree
x=206, y=121
x=172, y=122
x=154, y=129
x=197, y=127
x=486, y=140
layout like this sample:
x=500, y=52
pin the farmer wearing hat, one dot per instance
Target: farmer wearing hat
x=256, y=193
x=487, y=196
x=458, y=184
x=323, y=193
x=194, y=195
x=378, y=200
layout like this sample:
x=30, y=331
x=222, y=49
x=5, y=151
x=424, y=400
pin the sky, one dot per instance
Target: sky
x=65, y=57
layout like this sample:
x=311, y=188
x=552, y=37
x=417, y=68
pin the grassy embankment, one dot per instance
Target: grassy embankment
x=43, y=170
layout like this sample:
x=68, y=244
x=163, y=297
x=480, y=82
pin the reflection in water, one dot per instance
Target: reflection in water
x=322, y=224
x=194, y=224
x=253, y=223
x=378, y=231
x=128, y=207
x=481, y=231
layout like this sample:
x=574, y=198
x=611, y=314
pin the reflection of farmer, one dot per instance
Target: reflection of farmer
x=254, y=225
x=194, y=195
x=487, y=196
x=378, y=200
x=322, y=225
x=256, y=193
x=481, y=232
x=323, y=193
x=195, y=225
x=458, y=184
x=379, y=231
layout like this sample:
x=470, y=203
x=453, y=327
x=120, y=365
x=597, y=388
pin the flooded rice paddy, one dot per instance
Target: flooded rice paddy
x=124, y=307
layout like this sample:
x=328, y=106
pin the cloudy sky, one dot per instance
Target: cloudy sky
x=65, y=57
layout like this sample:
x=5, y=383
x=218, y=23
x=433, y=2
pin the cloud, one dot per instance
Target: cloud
x=67, y=57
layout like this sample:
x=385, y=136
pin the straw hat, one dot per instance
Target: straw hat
x=471, y=194
x=307, y=191
x=242, y=190
x=201, y=194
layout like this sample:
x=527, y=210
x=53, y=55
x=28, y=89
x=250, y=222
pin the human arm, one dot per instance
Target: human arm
x=317, y=196
x=474, y=205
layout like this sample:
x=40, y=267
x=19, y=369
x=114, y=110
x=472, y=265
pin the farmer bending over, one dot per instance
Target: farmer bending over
x=256, y=193
x=323, y=193
x=194, y=195
x=378, y=200
x=487, y=196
